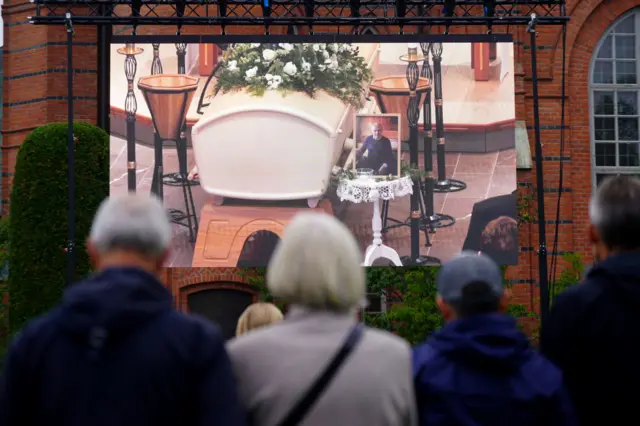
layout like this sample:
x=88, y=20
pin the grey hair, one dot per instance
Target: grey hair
x=614, y=210
x=318, y=264
x=133, y=222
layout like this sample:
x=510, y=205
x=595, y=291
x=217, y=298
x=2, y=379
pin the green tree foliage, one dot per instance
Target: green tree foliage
x=38, y=228
x=410, y=294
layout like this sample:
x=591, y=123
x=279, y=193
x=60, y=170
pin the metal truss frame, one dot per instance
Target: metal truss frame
x=393, y=14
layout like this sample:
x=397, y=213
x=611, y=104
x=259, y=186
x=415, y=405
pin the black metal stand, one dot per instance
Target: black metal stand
x=157, y=188
x=156, y=64
x=417, y=212
x=71, y=159
x=181, y=51
x=429, y=220
x=542, y=232
x=443, y=184
x=181, y=177
x=131, y=107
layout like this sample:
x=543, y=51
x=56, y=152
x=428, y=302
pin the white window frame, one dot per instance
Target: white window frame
x=593, y=87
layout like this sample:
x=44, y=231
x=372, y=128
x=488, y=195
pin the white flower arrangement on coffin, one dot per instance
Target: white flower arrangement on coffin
x=335, y=68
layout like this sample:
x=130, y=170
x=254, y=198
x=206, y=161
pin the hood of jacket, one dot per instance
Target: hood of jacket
x=111, y=304
x=485, y=342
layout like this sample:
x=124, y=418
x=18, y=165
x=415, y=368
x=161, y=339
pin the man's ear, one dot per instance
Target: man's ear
x=94, y=257
x=505, y=300
x=445, y=309
x=160, y=263
x=594, y=235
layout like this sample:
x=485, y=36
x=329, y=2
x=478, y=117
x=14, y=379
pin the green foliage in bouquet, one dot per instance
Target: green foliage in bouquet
x=336, y=68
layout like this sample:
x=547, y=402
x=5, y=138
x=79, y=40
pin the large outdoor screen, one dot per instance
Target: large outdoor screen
x=239, y=138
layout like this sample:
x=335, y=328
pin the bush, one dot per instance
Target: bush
x=38, y=229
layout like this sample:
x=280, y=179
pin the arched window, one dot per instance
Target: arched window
x=614, y=100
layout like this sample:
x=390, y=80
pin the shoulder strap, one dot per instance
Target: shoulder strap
x=300, y=410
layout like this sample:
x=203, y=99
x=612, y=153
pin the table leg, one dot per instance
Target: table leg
x=378, y=250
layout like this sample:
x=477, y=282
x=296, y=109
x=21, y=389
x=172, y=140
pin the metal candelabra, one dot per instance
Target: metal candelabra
x=432, y=219
x=157, y=186
x=131, y=106
x=443, y=184
x=156, y=65
x=413, y=113
x=181, y=51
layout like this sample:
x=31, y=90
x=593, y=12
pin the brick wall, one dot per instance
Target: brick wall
x=35, y=93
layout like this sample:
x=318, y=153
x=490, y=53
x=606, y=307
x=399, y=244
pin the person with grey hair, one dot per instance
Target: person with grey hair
x=115, y=351
x=479, y=369
x=592, y=329
x=319, y=366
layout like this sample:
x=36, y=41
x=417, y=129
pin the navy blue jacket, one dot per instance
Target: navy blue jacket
x=481, y=371
x=593, y=335
x=115, y=352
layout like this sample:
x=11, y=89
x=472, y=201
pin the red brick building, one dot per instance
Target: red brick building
x=602, y=63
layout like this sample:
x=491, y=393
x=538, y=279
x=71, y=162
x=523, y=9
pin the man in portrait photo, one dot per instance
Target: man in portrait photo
x=376, y=153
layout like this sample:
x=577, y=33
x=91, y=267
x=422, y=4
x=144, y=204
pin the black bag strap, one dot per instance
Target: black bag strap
x=300, y=410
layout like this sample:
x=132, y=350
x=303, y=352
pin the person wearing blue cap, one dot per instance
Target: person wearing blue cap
x=479, y=369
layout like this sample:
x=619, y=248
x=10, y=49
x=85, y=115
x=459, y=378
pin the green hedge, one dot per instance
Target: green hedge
x=39, y=214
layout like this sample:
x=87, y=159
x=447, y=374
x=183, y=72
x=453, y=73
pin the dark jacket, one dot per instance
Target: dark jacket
x=593, y=335
x=115, y=352
x=380, y=153
x=481, y=371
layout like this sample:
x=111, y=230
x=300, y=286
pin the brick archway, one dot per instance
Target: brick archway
x=583, y=34
x=185, y=281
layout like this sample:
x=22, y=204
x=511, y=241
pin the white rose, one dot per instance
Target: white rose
x=268, y=55
x=316, y=47
x=333, y=65
x=255, y=44
x=306, y=66
x=286, y=46
x=290, y=68
x=251, y=72
x=274, y=82
x=322, y=67
x=232, y=65
x=326, y=54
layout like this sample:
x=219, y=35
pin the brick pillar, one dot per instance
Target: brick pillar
x=35, y=89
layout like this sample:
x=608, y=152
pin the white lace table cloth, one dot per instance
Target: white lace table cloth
x=367, y=190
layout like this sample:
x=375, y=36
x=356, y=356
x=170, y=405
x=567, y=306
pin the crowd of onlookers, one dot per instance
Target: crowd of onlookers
x=115, y=352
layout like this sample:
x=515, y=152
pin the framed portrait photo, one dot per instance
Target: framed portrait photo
x=378, y=145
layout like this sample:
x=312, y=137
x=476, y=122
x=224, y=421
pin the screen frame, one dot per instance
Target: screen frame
x=315, y=38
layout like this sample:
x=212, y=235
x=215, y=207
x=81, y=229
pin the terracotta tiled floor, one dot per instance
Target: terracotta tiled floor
x=486, y=175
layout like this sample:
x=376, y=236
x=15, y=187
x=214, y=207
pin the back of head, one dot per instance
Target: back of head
x=258, y=315
x=135, y=223
x=614, y=211
x=317, y=265
x=471, y=283
x=500, y=234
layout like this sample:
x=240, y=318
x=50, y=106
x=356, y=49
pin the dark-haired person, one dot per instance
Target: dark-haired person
x=593, y=332
x=484, y=212
x=479, y=369
x=500, y=240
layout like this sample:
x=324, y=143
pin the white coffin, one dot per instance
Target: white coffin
x=272, y=147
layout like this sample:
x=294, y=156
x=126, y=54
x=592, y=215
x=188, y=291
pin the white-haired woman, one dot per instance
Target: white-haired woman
x=318, y=366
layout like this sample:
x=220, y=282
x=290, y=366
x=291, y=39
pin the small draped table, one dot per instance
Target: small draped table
x=370, y=190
